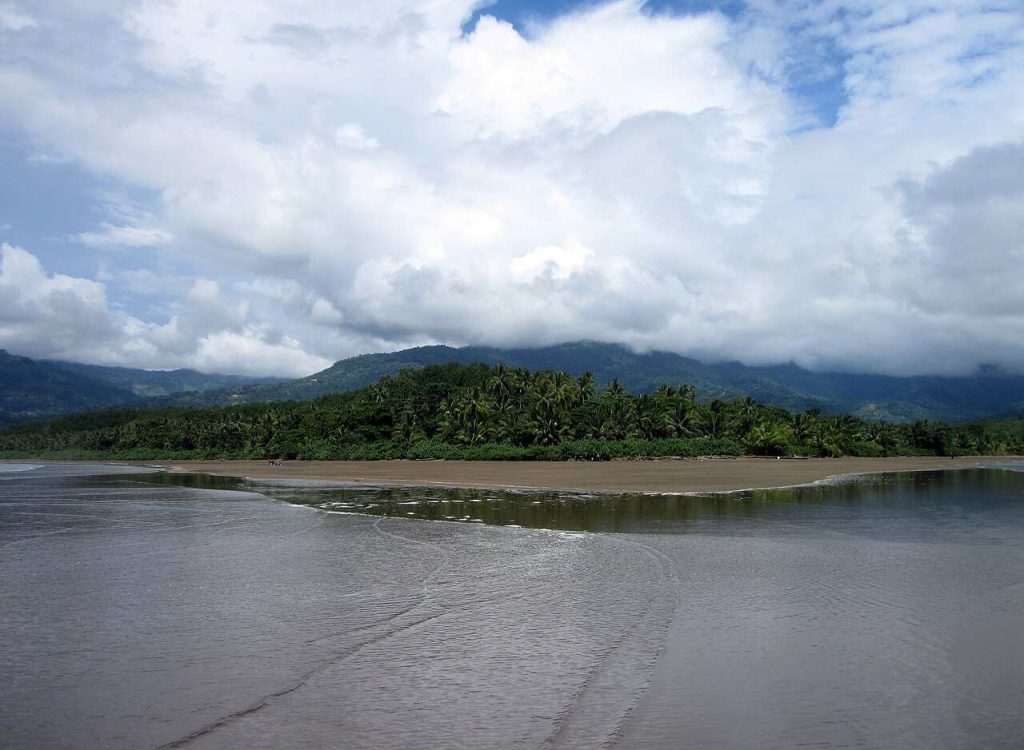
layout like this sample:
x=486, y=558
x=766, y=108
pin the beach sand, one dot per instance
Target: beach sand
x=655, y=476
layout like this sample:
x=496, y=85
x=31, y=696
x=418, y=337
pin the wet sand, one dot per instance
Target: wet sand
x=656, y=476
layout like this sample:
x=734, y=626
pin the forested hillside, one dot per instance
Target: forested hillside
x=986, y=394
x=478, y=411
x=41, y=389
x=874, y=397
x=34, y=390
x=154, y=383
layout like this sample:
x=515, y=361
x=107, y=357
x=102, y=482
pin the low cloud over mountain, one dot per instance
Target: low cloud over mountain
x=837, y=184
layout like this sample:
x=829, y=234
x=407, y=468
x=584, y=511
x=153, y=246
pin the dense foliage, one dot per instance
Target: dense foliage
x=483, y=412
x=39, y=389
x=157, y=383
x=900, y=399
x=36, y=390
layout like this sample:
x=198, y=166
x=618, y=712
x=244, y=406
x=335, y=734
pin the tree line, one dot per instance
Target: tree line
x=482, y=412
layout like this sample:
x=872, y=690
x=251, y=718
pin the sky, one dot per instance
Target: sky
x=267, y=187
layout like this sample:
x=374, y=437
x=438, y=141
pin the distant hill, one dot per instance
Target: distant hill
x=154, y=383
x=869, y=396
x=38, y=389
x=31, y=389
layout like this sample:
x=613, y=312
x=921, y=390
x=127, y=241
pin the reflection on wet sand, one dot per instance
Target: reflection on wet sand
x=189, y=611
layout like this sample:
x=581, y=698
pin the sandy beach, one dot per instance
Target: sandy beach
x=658, y=476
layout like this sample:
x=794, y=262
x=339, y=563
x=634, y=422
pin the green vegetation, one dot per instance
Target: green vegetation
x=159, y=383
x=499, y=413
x=39, y=389
x=986, y=394
x=35, y=390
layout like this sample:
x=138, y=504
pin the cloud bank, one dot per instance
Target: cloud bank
x=328, y=179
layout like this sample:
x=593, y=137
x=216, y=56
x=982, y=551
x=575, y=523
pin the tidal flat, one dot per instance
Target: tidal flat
x=655, y=476
x=185, y=610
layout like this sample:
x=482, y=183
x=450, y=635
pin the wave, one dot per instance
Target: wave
x=10, y=468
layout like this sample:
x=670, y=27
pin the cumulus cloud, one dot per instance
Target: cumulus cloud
x=346, y=177
x=59, y=316
x=965, y=226
x=55, y=309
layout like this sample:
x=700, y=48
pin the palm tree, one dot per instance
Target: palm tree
x=509, y=426
x=875, y=432
x=719, y=423
x=647, y=417
x=746, y=413
x=547, y=429
x=687, y=392
x=768, y=438
x=802, y=426
x=449, y=418
x=544, y=396
x=615, y=388
x=475, y=408
x=664, y=391
x=849, y=425
x=380, y=393
x=830, y=439
x=501, y=385
x=587, y=386
x=408, y=427
x=619, y=420
x=681, y=418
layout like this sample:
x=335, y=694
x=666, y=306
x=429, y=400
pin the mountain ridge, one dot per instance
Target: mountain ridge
x=892, y=398
x=39, y=389
x=32, y=389
x=156, y=383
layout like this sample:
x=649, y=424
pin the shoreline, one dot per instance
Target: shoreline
x=661, y=476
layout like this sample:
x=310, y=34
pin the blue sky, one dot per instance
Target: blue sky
x=521, y=12
x=265, y=192
x=823, y=93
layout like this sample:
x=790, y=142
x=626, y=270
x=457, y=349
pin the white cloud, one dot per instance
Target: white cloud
x=360, y=176
x=223, y=351
x=62, y=317
x=111, y=235
x=44, y=313
x=553, y=261
x=591, y=70
x=352, y=135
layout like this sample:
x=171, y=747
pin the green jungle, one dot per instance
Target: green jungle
x=480, y=412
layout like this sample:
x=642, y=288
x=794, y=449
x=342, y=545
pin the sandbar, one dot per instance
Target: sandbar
x=620, y=476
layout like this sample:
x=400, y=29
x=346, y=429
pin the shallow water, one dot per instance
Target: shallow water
x=166, y=610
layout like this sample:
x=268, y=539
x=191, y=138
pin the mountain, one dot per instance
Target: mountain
x=871, y=396
x=154, y=383
x=35, y=390
x=38, y=389
x=32, y=389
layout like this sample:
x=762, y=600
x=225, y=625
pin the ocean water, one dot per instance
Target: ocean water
x=182, y=611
